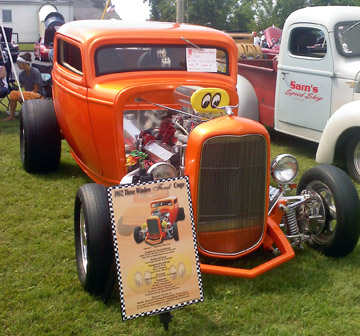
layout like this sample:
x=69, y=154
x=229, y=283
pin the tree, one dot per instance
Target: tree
x=214, y=13
x=244, y=15
x=283, y=9
x=162, y=10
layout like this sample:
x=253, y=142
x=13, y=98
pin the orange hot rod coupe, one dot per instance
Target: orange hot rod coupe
x=162, y=224
x=168, y=91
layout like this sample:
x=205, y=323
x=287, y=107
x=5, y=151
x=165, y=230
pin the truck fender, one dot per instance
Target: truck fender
x=248, y=103
x=345, y=118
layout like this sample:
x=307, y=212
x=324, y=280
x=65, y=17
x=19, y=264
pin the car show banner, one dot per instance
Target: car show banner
x=155, y=246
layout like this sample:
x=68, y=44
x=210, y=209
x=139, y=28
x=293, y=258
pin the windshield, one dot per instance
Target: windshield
x=159, y=204
x=118, y=58
x=347, y=38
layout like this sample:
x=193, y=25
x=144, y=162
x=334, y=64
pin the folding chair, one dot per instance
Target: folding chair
x=4, y=100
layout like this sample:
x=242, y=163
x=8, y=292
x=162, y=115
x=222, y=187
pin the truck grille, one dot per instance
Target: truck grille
x=232, y=194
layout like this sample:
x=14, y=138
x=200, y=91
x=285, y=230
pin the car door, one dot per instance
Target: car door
x=304, y=79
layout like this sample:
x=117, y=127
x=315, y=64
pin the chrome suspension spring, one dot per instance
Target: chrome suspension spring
x=291, y=223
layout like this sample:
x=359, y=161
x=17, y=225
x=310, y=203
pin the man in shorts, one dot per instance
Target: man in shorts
x=30, y=79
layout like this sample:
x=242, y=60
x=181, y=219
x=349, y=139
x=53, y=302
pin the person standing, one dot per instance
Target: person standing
x=256, y=38
x=30, y=79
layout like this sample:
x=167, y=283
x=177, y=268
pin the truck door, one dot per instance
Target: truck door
x=304, y=79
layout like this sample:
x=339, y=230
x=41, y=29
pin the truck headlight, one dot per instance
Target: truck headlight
x=284, y=168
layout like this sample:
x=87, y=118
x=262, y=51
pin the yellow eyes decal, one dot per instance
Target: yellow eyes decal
x=141, y=277
x=179, y=269
x=208, y=100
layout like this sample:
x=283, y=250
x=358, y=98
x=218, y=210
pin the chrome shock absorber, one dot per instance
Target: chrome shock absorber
x=290, y=222
x=292, y=229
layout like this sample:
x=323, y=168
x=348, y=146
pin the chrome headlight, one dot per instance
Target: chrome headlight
x=162, y=170
x=284, y=168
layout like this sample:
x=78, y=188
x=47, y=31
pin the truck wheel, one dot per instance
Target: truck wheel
x=40, y=140
x=353, y=158
x=175, y=231
x=181, y=214
x=338, y=231
x=137, y=235
x=93, y=237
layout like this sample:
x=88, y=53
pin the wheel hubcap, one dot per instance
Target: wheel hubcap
x=328, y=212
x=83, y=241
x=356, y=158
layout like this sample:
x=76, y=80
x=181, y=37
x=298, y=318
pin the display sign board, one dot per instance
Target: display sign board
x=201, y=60
x=155, y=247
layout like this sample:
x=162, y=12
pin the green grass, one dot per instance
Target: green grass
x=40, y=293
x=26, y=47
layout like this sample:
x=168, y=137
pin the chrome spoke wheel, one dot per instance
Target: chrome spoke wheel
x=83, y=241
x=356, y=158
x=327, y=212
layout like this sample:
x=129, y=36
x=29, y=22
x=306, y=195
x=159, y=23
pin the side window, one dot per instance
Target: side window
x=69, y=56
x=308, y=42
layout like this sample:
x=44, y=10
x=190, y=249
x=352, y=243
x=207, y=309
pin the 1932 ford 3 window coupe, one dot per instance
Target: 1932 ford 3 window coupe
x=167, y=93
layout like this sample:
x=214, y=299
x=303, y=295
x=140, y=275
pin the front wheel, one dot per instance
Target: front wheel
x=138, y=236
x=93, y=237
x=338, y=228
x=353, y=157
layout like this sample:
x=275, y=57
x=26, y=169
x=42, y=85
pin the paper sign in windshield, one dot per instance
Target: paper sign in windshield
x=201, y=60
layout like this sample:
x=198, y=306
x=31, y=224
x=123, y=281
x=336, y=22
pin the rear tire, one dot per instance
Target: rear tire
x=181, y=214
x=175, y=231
x=339, y=231
x=40, y=140
x=93, y=237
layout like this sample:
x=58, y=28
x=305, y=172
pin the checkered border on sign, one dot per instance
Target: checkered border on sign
x=118, y=269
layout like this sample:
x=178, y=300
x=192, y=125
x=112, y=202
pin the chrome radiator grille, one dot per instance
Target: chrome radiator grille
x=232, y=193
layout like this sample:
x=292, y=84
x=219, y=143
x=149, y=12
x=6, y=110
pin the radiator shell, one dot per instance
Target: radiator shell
x=228, y=162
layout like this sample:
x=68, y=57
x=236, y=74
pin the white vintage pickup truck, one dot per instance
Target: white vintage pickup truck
x=312, y=90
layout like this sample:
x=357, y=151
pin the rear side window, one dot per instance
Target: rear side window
x=347, y=38
x=69, y=56
x=308, y=42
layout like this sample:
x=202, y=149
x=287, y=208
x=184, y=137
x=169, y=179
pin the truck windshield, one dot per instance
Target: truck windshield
x=347, y=38
x=118, y=58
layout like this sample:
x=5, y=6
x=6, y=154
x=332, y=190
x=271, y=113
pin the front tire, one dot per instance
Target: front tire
x=93, y=237
x=40, y=140
x=353, y=158
x=137, y=235
x=339, y=231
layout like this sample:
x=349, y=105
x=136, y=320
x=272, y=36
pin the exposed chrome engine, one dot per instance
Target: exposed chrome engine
x=162, y=134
